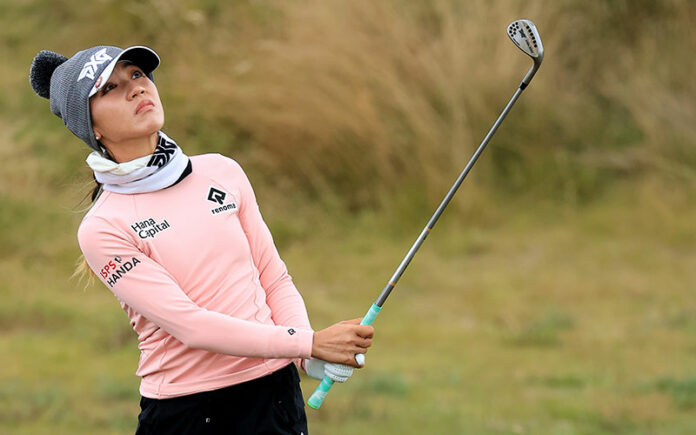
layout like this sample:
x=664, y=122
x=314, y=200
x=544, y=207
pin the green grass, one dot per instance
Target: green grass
x=548, y=322
x=534, y=318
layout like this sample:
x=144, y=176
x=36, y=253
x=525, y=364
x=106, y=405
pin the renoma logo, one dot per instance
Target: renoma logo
x=90, y=68
x=218, y=196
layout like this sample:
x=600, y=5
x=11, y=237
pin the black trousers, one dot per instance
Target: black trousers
x=272, y=404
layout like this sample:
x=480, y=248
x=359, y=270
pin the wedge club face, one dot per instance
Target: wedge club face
x=526, y=36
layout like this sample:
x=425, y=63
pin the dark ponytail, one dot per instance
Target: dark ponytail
x=96, y=191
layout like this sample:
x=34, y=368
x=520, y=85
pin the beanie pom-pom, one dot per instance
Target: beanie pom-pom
x=42, y=69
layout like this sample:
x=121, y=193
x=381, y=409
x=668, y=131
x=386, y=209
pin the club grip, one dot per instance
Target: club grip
x=371, y=315
x=317, y=398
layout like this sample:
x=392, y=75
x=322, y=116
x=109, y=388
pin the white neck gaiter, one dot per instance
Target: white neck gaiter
x=145, y=174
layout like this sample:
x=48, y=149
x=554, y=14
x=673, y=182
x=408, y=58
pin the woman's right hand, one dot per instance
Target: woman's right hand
x=339, y=343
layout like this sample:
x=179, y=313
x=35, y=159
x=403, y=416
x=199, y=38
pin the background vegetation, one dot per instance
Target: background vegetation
x=556, y=295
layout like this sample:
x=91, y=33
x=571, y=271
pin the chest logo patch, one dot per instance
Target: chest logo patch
x=218, y=196
x=148, y=228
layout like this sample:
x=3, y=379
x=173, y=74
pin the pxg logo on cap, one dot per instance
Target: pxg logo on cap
x=90, y=68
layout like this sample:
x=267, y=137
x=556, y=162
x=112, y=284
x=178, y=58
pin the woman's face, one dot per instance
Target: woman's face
x=127, y=106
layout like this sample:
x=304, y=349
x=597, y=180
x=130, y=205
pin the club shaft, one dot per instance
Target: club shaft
x=433, y=220
x=322, y=390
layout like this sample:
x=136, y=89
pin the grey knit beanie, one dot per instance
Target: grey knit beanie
x=69, y=83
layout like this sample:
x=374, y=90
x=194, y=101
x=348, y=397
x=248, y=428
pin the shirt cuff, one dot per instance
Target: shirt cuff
x=305, y=339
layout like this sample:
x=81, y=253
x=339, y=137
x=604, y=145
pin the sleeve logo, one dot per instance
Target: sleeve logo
x=115, y=269
x=291, y=331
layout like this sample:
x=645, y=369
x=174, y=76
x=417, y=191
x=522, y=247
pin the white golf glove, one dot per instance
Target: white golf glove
x=318, y=368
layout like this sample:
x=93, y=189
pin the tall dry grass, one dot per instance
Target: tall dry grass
x=361, y=102
x=364, y=99
x=655, y=83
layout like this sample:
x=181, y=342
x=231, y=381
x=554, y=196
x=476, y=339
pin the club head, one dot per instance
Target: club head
x=526, y=36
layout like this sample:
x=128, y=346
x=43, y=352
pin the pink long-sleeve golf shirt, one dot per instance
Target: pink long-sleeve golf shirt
x=195, y=268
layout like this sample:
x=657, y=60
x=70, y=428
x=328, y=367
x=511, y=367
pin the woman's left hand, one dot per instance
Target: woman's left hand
x=317, y=369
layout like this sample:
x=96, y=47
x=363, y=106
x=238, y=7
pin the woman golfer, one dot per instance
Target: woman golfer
x=182, y=245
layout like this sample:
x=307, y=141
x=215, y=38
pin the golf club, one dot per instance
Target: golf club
x=525, y=35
